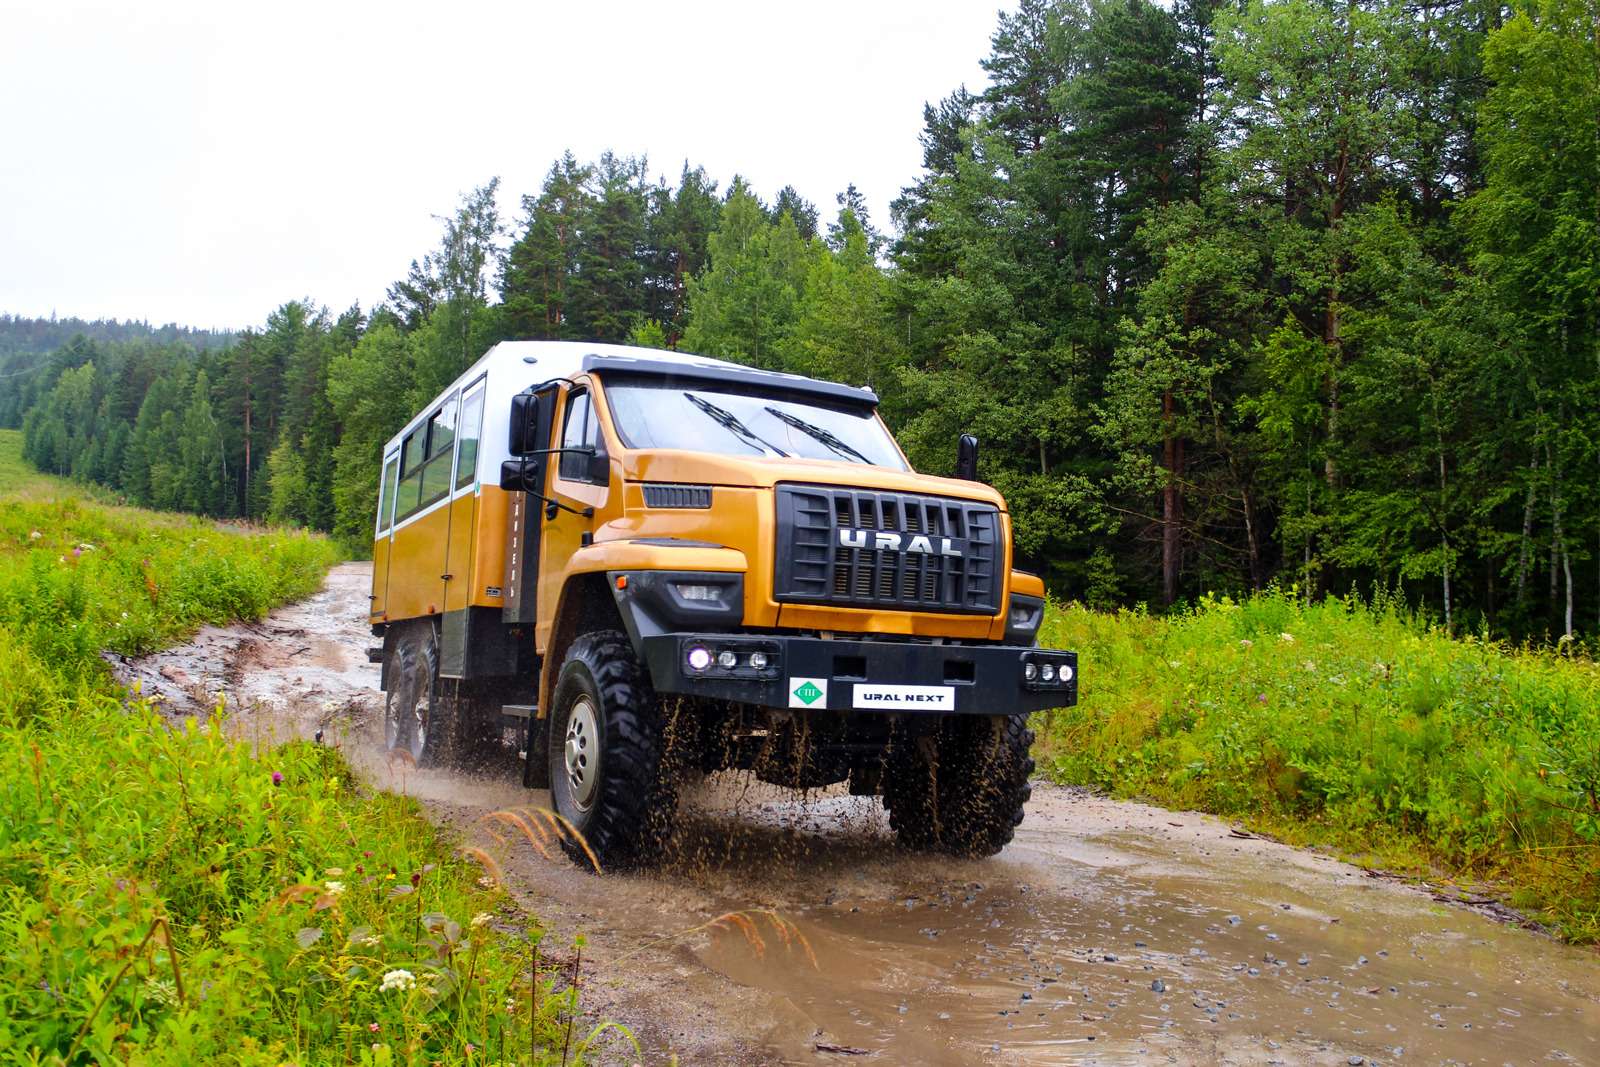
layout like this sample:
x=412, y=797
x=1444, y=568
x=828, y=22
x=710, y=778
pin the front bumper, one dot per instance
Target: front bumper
x=813, y=673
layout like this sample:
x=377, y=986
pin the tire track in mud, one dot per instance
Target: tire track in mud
x=1108, y=932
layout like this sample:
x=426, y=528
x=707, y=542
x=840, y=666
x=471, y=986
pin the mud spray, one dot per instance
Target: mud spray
x=1106, y=933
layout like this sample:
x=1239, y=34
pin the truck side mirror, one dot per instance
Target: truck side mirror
x=512, y=478
x=524, y=423
x=967, y=458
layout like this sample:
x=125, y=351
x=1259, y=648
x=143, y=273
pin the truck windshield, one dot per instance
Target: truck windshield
x=706, y=417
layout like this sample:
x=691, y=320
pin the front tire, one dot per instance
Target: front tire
x=608, y=769
x=962, y=790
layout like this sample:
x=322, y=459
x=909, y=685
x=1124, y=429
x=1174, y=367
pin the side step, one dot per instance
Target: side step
x=515, y=713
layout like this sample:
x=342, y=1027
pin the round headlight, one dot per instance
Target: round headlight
x=758, y=660
x=1048, y=672
x=727, y=660
x=699, y=658
x=1030, y=671
x=1066, y=673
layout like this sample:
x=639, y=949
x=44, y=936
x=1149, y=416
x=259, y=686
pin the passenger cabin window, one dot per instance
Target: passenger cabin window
x=581, y=430
x=391, y=471
x=425, y=461
x=471, y=431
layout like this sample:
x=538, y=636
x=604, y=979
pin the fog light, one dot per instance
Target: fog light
x=758, y=660
x=727, y=660
x=1066, y=673
x=699, y=658
x=700, y=592
x=1048, y=672
x=1030, y=671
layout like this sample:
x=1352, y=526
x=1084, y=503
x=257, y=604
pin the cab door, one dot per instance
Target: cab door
x=580, y=481
x=463, y=528
x=383, y=536
x=417, y=554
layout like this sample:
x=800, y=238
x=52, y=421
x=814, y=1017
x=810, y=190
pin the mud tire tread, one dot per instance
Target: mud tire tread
x=632, y=817
x=970, y=797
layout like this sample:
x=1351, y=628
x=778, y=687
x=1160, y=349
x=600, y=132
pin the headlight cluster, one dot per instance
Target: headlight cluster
x=731, y=658
x=1048, y=670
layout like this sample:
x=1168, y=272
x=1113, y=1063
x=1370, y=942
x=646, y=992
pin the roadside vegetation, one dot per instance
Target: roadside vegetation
x=172, y=894
x=1351, y=724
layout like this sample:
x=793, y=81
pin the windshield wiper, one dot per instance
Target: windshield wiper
x=827, y=437
x=730, y=422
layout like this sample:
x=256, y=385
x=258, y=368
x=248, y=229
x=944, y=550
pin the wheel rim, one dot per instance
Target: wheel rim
x=581, y=753
x=421, y=713
x=391, y=723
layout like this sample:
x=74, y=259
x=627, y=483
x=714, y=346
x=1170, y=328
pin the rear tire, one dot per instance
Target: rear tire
x=413, y=718
x=961, y=791
x=607, y=753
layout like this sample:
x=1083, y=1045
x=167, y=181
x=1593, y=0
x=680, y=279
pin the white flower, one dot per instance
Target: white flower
x=162, y=991
x=1246, y=643
x=1287, y=639
x=35, y=535
x=334, y=888
x=483, y=918
x=397, y=980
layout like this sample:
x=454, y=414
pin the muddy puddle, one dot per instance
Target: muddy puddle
x=1107, y=933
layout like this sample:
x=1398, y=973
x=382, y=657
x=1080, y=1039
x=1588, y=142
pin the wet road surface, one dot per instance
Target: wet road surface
x=1107, y=933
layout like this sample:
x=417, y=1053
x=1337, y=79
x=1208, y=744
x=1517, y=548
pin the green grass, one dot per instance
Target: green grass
x=1352, y=725
x=172, y=895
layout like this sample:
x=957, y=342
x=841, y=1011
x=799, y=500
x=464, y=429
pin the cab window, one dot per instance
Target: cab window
x=470, y=431
x=425, y=460
x=581, y=430
x=391, y=471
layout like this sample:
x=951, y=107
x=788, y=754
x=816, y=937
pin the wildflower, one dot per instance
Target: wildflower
x=481, y=919
x=471, y=1048
x=1287, y=639
x=397, y=980
x=511, y=1005
x=161, y=990
x=35, y=535
x=334, y=888
x=334, y=872
x=277, y=777
x=1246, y=643
x=373, y=1027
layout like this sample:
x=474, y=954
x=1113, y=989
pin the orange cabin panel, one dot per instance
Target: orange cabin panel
x=417, y=565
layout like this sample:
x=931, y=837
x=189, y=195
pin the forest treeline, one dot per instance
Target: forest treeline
x=1292, y=291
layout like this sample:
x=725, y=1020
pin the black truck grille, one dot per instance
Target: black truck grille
x=860, y=548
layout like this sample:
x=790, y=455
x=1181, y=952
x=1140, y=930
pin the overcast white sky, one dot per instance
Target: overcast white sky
x=203, y=163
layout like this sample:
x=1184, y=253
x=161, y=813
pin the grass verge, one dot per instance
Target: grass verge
x=170, y=895
x=1354, y=725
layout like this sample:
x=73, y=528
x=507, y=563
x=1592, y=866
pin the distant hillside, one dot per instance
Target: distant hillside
x=20, y=335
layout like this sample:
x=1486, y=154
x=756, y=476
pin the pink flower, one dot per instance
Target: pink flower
x=277, y=777
x=373, y=1027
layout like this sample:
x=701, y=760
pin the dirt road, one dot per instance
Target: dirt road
x=1107, y=933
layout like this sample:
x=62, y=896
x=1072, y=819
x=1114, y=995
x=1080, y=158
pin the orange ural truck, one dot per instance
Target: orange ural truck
x=648, y=564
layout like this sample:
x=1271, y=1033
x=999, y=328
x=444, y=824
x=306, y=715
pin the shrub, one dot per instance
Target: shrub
x=1350, y=722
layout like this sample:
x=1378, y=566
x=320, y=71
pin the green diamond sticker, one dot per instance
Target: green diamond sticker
x=808, y=692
